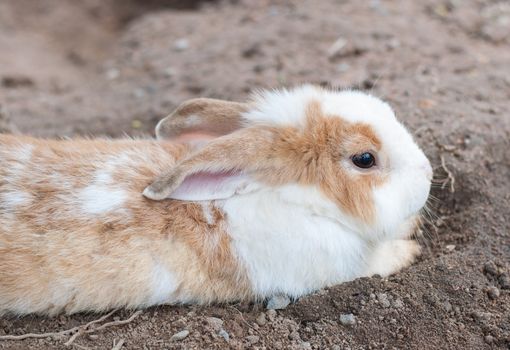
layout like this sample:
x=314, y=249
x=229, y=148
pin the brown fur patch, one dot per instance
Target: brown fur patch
x=54, y=256
x=282, y=155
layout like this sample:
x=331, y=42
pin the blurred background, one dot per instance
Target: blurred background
x=115, y=67
x=109, y=67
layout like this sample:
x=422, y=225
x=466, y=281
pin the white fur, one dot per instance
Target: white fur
x=391, y=256
x=409, y=170
x=14, y=199
x=163, y=284
x=208, y=215
x=292, y=248
x=102, y=196
x=292, y=239
x=99, y=198
x=23, y=153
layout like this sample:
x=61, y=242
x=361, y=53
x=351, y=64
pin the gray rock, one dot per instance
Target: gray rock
x=271, y=314
x=215, y=323
x=261, y=320
x=493, y=293
x=398, y=304
x=383, y=300
x=504, y=281
x=490, y=268
x=278, y=302
x=180, y=336
x=181, y=44
x=223, y=333
x=306, y=345
x=294, y=335
x=481, y=317
x=447, y=306
x=348, y=319
x=252, y=339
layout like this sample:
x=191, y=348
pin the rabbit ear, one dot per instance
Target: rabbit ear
x=222, y=168
x=211, y=185
x=201, y=119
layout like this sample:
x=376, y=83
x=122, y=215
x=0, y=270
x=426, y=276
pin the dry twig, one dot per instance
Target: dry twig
x=79, y=330
x=450, y=178
x=82, y=328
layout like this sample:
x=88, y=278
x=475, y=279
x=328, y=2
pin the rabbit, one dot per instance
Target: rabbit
x=293, y=191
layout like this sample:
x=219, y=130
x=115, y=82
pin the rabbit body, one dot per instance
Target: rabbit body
x=76, y=233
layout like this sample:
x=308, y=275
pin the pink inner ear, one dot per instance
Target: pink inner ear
x=209, y=186
x=194, y=137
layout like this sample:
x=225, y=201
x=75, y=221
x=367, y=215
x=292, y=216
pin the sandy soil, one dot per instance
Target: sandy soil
x=115, y=67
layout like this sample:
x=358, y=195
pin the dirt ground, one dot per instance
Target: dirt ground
x=115, y=67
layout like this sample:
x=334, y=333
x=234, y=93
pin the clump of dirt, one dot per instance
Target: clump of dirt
x=114, y=67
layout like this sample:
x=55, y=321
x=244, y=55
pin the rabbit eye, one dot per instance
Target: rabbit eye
x=364, y=160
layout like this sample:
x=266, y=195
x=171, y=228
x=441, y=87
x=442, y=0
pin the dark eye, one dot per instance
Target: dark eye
x=364, y=160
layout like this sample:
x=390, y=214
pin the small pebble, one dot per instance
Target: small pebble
x=215, y=323
x=383, y=300
x=294, y=335
x=261, y=320
x=490, y=268
x=136, y=124
x=139, y=93
x=306, y=345
x=112, y=74
x=493, y=293
x=271, y=314
x=481, y=317
x=252, y=339
x=278, y=302
x=170, y=72
x=180, y=336
x=489, y=339
x=181, y=44
x=347, y=319
x=447, y=306
x=504, y=281
x=450, y=247
x=223, y=333
x=398, y=304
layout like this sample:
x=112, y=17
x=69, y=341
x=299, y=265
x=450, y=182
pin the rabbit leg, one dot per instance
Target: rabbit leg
x=391, y=256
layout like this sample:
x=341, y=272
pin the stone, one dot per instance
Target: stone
x=223, y=333
x=180, y=336
x=348, y=319
x=215, y=323
x=252, y=339
x=493, y=293
x=383, y=300
x=278, y=302
x=261, y=319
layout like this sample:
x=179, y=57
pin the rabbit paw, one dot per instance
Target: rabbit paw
x=392, y=256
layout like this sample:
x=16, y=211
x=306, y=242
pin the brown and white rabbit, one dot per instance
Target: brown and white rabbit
x=297, y=190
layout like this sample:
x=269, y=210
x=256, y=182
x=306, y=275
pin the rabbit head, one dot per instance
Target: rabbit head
x=343, y=153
